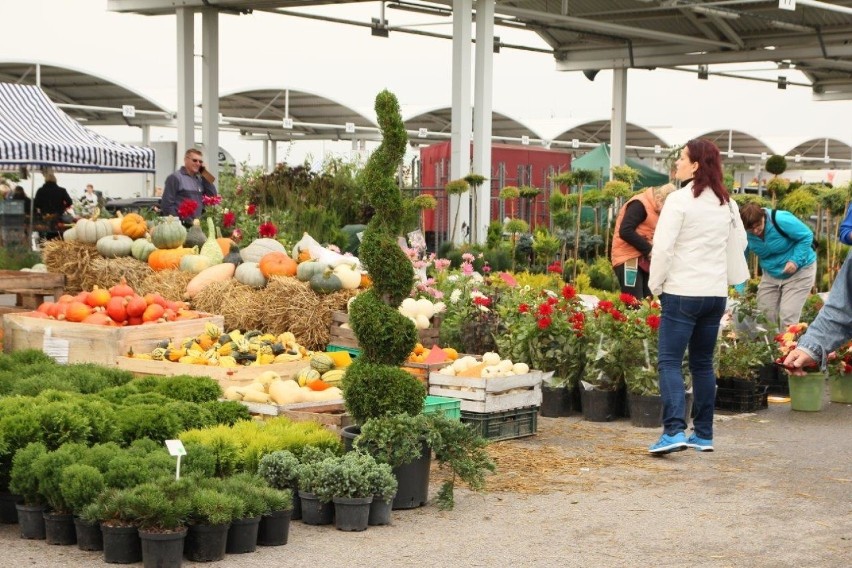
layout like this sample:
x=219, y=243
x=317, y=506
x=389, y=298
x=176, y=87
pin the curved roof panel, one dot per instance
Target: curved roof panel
x=68, y=86
x=598, y=132
x=822, y=147
x=740, y=142
x=440, y=120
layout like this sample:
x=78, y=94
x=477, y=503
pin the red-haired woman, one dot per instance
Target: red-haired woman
x=689, y=271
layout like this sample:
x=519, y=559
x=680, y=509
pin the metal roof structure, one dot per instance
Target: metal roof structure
x=639, y=139
x=824, y=150
x=88, y=98
x=588, y=35
x=439, y=121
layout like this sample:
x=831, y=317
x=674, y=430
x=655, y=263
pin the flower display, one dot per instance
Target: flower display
x=186, y=209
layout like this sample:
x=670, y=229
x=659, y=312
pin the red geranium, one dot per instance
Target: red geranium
x=229, y=219
x=523, y=308
x=555, y=267
x=544, y=322
x=267, y=230
x=251, y=209
x=653, y=321
x=187, y=208
x=545, y=309
x=568, y=292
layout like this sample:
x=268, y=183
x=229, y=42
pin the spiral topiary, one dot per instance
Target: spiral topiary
x=374, y=385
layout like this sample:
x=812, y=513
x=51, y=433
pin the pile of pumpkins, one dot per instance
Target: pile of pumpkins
x=491, y=366
x=270, y=388
x=116, y=306
x=168, y=245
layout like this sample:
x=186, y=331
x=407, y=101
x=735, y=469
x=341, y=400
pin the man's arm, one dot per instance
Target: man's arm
x=208, y=188
x=168, y=202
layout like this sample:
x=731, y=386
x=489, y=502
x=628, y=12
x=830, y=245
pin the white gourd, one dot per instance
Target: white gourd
x=408, y=307
x=425, y=308
x=260, y=248
x=211, y=248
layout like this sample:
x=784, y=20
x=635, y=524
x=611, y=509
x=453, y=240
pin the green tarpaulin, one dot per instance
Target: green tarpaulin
x=598, y=160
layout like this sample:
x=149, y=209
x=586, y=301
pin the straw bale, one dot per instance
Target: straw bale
x=170, y=284
x=237, y=303
x=107, y=272
x=71, y=259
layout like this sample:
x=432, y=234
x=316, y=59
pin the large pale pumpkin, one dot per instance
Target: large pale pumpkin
x=260, y=247
x=306, y=270
x=114, y=246
x=165, y=259
x=249, y=273
x=169, y=234
x=216, y=273
x=194, y=263
x=70, y=235
x=134, y=226
x=142, y=249
x=277, y=264
x=89, y=231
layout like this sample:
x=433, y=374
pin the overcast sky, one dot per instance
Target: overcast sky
x=347, y=64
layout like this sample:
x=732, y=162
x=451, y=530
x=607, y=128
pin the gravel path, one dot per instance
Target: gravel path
x=776, y=493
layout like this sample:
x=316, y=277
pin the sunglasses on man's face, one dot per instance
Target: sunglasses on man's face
x=196, y=161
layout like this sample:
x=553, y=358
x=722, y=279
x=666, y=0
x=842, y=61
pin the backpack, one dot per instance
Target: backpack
x=814, y=243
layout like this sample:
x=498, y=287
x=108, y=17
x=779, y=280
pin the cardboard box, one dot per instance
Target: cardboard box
x=84, y=343
x=489, y=395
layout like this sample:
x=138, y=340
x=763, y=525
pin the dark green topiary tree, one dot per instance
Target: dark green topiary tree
x=776, y=165
x=375, y=385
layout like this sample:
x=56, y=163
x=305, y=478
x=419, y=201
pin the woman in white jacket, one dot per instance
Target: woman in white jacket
x=689, y=274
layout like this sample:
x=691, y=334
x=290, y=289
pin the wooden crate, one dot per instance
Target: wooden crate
x=225, y=376
x=30, y=288
x=489, y=395
x=345, y=337
x=96, y=343
x=330, y=413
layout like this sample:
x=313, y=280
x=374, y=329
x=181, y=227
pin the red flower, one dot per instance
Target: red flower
x=545, y=310
x=628, y=299
x=482, y=301
x=653, y=321
x=523, y=308
x=555, y=267
x=267, y=230
x=617, y=316
x=568, y=292
x=485, y=268
x=229, y=219
x=551, y=300
x=187, y=208
x=209, y=200
x=251, y=208
x=578, y=320
x=544, y=322
x=605, y=305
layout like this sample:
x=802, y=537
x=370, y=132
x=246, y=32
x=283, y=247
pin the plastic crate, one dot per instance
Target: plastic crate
x=737, y=400
x=506, y=425
x=449, y=407
x=354, y=351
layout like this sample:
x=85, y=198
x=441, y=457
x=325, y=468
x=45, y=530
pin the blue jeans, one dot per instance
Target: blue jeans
x=688, y=321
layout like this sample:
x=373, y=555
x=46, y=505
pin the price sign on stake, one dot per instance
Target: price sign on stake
x=176, y=449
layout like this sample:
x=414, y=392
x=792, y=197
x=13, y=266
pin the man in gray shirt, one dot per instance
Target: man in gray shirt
x=187, y=183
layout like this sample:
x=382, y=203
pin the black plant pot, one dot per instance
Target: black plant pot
x=162, y=549
x=576, y=397
x=8, y=512
x=274, y=528
x=348, y=435
x=31, y=521
x=380, y=511
x=206, y=543
x=555, y=401
x=121, y=545
x=646, y=411
x=242, y=536
x=599, y=405
x=314, y=511
x=297, y=506
x=89, y=535
x=413, y=480
x=59, y=529
x=352, y=514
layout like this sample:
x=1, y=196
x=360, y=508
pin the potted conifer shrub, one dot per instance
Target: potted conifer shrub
x=49, y=471
x=316, y=510
x=24, y=483
x=346, y=482
x=81, y=484
x=383, y=485
x=160, y=509
x=274, y=527
x=211, y=511
x=242, y=536
x=280, y=470
x=113, y=510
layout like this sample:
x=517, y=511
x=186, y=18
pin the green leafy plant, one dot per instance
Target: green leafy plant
x=80, y=485
x=347, y=476
x=159, y=506
x=22, y=478
x=279, y=469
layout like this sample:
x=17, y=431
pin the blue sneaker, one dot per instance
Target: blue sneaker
x=668, y=444
x=700, y=444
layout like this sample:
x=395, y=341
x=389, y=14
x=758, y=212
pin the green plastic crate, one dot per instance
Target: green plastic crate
x=449, y=407
x=354, y=351
x=506, y=425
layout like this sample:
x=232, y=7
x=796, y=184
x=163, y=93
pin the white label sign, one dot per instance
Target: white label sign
x=288, y=123
x=575, y=143
x=422, y=132
x=56, y=348
x=787, y=5
x=175, y=448
x=128, y=111
x=350, y=127
x=525, y=140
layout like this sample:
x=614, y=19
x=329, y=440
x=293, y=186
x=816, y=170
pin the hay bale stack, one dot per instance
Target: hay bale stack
x=71, y=259
x=107, y=272
x=170, y=284
x=237, y=303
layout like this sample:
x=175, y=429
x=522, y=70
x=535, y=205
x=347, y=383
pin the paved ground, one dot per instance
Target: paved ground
x=776, y=493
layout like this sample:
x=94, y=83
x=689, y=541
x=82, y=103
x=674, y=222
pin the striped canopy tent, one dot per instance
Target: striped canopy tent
x=34, y=133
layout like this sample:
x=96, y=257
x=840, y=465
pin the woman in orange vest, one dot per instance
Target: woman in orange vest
x=631, y=241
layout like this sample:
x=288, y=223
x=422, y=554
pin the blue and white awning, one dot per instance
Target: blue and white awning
x=36, y=134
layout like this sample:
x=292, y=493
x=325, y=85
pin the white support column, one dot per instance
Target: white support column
x=266, y=156
x=185, y=81
x=618, y=128
x=149, y=178
x=461, y=113
x=482, y=106
x=273, y=155
x=210, y=88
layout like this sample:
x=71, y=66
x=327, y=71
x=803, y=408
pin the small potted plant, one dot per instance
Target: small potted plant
x=210, y=514
x=280, y=470
x=346, y=482
x=49, y=471
x=81, y=485
x=113, y=510
x=242, y=536
x=316, y=510
x=160, y=509
x=383, y=485
x=806, y=391
x=275, y=522
x=23, y=482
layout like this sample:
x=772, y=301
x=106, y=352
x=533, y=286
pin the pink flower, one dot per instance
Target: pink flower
x=467, y=268
x=237, y=235
x=508, y=279
x=467, y=257
x=485, y=268
x=442, y=264
x=211, y=200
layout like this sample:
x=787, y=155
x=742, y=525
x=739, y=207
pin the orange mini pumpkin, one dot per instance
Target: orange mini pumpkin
x=164, y=259
x=134, y=226
x=277, y=264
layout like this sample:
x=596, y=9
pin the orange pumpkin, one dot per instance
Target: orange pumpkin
x=134, y=226
x=45, y=307
x=366, y=281
x=97, y=318
x=165, y=259
x=136, y=306
x=304, y=255
x=98, y=297
x=121, y=289
x=224, y=244
x=277, y=264
x=152, y=313
x=116, y=308
x=77, y=311
x=154, y=298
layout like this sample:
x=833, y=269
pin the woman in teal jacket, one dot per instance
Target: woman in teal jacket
x=783, y=246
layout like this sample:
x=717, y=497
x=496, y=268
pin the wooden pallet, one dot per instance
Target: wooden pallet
x=225, y=376
x=30, y=288
x=345, y=337
x=489, y=395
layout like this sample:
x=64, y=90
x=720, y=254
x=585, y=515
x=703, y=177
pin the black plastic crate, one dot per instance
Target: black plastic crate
x=738, y=400
x=515, y=423
x=775, y=379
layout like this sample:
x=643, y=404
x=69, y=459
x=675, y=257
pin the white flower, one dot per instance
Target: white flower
x=455, y=296
x=483, y=309
x=453, y=278
x=477, y=277
x=440, y=307
x=477, y=294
